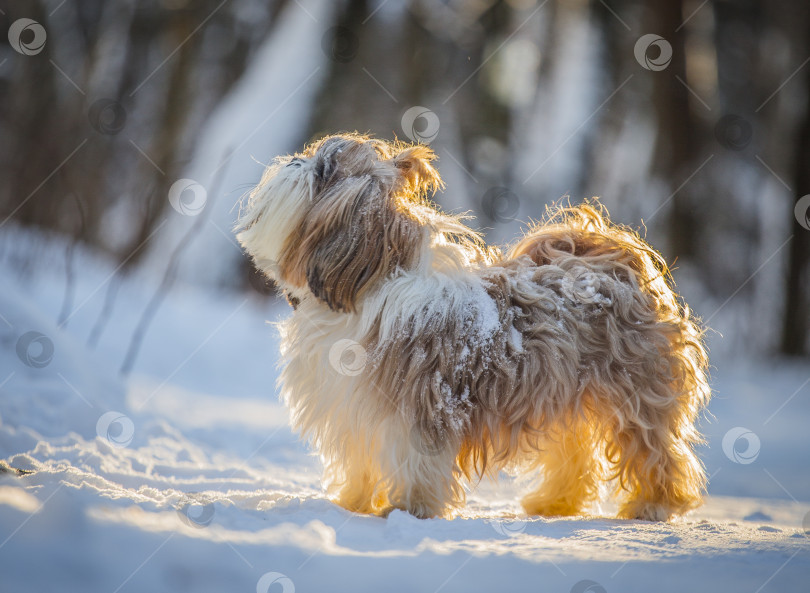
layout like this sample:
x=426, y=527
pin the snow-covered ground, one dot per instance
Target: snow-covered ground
x=186, y=477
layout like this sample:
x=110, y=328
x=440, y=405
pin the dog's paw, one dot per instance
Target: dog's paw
x=645, y=511
x=420, y=508
x=421, y=511
x=354, y=502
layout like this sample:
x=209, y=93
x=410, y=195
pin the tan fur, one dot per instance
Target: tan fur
x=569, y=358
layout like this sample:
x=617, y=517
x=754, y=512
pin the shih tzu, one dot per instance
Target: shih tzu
x=418, y=357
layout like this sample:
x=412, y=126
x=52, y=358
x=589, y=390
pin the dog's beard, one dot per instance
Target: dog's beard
x=273, y=211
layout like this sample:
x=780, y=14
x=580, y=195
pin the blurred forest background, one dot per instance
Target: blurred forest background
x=700, y=132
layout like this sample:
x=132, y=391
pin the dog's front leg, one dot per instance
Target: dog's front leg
x=421, y=473
x=355, y=489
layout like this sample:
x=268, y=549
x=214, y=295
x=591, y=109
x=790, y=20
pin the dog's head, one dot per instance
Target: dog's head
x=339, y=216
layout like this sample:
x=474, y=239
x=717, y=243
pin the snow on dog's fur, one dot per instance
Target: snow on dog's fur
x=417, y=356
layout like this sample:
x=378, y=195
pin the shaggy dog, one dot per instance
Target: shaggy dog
x=417, y=356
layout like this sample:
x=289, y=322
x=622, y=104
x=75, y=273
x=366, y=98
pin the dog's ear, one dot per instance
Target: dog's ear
x=353, y=236
x=419, y=176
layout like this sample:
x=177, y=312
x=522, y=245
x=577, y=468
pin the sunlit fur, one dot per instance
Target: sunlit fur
x=568, y=358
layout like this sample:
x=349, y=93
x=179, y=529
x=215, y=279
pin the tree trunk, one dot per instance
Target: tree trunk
x=676, y=148
x=797, y=289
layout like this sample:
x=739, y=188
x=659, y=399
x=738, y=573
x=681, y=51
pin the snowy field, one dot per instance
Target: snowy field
x=186, y=477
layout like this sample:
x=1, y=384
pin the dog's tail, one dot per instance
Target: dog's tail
x=586, y=233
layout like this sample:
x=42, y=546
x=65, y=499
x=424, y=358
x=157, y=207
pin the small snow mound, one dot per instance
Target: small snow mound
x=769, y=529
x=758, y=516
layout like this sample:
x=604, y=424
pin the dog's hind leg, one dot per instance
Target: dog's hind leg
x=652, y=434
x=571, y=472
x=659, y=471
x=651, y=445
